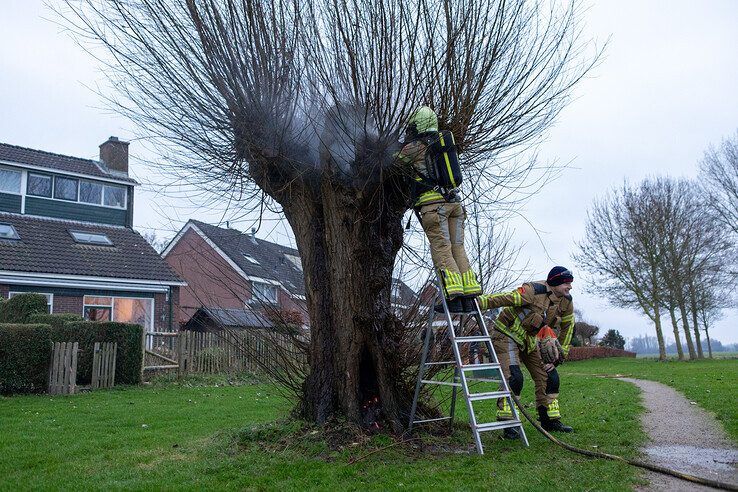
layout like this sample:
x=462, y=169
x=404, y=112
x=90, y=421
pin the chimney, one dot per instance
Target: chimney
x=114, y=153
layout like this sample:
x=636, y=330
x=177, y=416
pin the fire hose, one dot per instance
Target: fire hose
x=641, y=464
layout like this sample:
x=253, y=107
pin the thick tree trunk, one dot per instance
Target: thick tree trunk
x=677, y=338
x=348, y=254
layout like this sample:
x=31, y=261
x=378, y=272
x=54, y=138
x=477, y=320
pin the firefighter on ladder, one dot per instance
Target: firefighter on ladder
x=523, y=333
x=441, y=213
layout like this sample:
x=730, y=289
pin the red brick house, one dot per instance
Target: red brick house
x=66, y=232
x=228, y=271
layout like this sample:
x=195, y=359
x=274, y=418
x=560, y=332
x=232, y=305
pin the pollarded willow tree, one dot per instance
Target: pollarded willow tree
x=302, y=104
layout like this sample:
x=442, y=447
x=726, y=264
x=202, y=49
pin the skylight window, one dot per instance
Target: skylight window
x=251, y=259
x=295, y=260
x=91, y=238
x=7, y=231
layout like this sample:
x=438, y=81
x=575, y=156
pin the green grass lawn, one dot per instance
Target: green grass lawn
x=712, y=384
x=176, y=437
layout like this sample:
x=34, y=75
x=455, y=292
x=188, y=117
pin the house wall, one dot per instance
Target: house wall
x=72, y=300
x=211, y=281
x=46, y=207
x=10, y=202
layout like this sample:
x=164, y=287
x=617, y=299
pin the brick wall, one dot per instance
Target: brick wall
x=213, y=282
x=68, y=304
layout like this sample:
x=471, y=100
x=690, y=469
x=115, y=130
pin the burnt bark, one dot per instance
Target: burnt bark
x=348, y=243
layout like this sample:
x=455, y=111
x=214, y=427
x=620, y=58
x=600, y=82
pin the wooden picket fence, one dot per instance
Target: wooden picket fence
x=63, y=370
x=210, y=353
x=103, y=364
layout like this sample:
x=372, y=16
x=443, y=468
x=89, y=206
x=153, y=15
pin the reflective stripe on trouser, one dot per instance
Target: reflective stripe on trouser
x=511, y=354
x=552, y=409
x=452, y=282
x=443, y=223
x=470, y=283
x=504, y=412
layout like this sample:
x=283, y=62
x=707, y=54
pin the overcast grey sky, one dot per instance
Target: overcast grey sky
x=665, y=90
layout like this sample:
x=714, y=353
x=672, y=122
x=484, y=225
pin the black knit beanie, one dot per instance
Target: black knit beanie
x=559, y=275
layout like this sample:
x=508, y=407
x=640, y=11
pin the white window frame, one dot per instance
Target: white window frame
x=49, y=298
x=112, y=307
x=91, y=243
x=102, y=191
x=51, y=183
x=20, y=186
x=76, y=189
x=258, y=298
x=52, y=177
x=125, y=196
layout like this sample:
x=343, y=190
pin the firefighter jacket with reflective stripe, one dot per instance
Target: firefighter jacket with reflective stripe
x=413, y=153
x=527, y=309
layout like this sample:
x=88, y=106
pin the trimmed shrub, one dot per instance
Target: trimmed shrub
x=583, y=353
x=25, y=356
x=56, y=320
x=129, y=359
x=18, y=309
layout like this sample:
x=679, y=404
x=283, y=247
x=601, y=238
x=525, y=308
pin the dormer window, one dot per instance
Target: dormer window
x=114, y=196
x=251, y=259
x=10, y=181
x=65, y=188
x=94, y=238
x=90, y=192
x=7, y=231
x=39, y=185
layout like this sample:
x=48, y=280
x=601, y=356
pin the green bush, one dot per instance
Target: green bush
x=25, y=356
x=55, y=320
x=129, y=359
x=18, y=309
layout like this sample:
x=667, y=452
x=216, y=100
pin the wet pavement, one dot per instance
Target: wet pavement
x=683, y=437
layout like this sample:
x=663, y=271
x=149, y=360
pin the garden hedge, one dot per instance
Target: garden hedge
x=25, y=353
x=25, y=356
x=129, y=359
x=583, y=353
x=18, y=309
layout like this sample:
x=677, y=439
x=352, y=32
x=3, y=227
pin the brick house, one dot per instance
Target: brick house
x=228, y=271
x=66, y=232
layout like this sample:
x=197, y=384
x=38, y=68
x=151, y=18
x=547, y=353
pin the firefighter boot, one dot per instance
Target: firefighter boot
x=505, y=413
x=452, y=284
x=470, y=284
x=454, y=306
x=551, y=424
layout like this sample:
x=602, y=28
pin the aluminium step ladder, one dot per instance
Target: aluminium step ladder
x=461, y=377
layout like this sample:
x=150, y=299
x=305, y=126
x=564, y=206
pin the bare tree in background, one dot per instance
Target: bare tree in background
x=623, y=260
x=301, y=104
x=720, y=180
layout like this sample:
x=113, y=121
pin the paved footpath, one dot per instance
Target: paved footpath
x=683, y=437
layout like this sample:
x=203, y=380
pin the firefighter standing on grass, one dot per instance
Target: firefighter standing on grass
x=523, y=333
x=438, y=207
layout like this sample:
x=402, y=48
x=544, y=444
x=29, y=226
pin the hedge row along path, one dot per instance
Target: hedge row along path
x=684, y=437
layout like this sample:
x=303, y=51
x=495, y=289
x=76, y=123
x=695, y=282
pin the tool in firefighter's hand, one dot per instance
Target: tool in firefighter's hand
x=549, y=348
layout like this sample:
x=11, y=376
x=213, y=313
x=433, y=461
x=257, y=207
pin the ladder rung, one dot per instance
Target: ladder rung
x=430, y=420
x=472, y=339
x=501, y=424
x=445, y=383
x=440, y=363
x=471, y=367
x=488, y=395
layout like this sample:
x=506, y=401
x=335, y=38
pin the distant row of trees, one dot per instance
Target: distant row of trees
x=644, y=344
x=667, y=247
